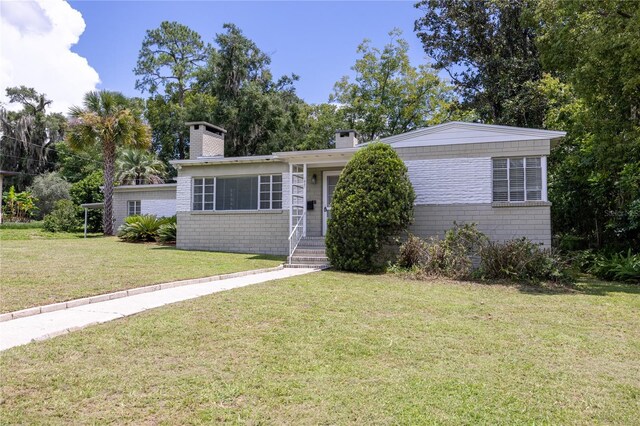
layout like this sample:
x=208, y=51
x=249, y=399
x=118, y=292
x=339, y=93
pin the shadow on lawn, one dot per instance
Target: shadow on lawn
x=586, y=285
x=249, y=256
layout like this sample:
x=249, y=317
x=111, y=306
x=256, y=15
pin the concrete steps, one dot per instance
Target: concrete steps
x=310, y=253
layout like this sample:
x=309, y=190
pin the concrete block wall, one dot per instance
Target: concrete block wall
x=260, y=232
x=488, y=149
x=532, y=220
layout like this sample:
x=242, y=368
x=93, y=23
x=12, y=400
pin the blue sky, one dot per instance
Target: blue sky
x=316, y=40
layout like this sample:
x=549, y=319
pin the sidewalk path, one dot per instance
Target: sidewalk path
x=44, y=326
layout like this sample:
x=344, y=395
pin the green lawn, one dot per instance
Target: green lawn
x=39, y=267
x=333, y=348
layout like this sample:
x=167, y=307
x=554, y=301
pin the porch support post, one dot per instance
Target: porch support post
x=304, y=202
x=85, y=221
x=290, y=200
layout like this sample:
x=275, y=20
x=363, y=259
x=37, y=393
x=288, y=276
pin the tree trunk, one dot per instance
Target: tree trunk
x=109, y=151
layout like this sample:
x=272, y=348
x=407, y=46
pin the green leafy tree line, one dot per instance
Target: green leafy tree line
x=558, y=64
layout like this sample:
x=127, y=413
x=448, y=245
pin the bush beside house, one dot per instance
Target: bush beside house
x=147, y=228
x=467, y=253
x=372, y=202
x=63, y=218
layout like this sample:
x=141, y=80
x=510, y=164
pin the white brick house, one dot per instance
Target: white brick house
x=495, y=176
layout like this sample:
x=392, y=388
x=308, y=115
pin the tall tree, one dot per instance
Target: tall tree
x=28, y=135
x=111, y=120
x=488, y=48
x=167, y=64
x=389, y=95
x=258, y=112
x=592, y=48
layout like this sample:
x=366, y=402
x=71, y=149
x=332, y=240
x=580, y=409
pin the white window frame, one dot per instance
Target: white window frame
x=193, y=193
x=258, y=177
x=543, y=179
x=137, y=206
x=270, y=192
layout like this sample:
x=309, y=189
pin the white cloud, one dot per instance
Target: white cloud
x=35, y=51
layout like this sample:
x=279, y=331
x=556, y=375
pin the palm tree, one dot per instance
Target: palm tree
x=136, y=167
x=111, y=120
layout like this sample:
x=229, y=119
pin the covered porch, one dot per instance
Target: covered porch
x=313, y=176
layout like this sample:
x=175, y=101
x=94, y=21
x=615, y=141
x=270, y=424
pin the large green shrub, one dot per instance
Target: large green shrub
x=63, y=218
x=372, y=202
x=141, y=228
x=47, y=189
x=88, y=190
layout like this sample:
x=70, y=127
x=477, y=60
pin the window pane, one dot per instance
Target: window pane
x=276, y=196
x=277, y=187
x=534, y=179
x=264, y=205
x=197, y=205
x=265, y=179
x=516, y=179
x=500, y=174
x=276, y=205
x=237, y=193
x=533, y=162
x=500, y=163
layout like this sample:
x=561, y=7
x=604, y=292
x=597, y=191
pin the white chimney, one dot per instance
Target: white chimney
x=346, y=138
x=205, y=140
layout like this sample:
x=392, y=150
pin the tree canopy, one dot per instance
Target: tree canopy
x=488, y=48
x=388, y=95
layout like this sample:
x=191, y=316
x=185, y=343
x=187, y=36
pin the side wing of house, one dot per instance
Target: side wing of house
x=240, y=206
x=494, y=176
x=158, y=200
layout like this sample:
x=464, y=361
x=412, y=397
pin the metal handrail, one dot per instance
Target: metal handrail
x=292, y=247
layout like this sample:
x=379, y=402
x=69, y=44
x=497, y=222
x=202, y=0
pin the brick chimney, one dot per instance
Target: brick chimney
x=205, y=140
x=346, y=138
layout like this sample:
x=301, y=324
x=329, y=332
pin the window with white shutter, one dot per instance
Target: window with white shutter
x=517, y=179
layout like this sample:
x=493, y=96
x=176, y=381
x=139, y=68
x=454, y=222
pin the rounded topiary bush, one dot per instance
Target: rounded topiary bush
x=372, y=202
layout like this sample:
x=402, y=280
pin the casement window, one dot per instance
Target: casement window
x=133, y=207
x=518, y=179
x=238, y=193
x=203, y=193
x=270, y=192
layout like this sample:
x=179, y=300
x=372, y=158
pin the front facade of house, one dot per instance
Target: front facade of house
x=494, y=176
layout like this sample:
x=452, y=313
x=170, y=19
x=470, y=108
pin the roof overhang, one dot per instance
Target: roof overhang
x=205, y=161
x=337, y=156
x=150, y=187
x=92, y=205
x=458, y=132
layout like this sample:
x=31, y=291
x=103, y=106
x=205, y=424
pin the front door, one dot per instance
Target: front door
x=329, y=185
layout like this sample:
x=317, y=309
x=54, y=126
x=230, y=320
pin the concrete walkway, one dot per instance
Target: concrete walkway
x=44, y=326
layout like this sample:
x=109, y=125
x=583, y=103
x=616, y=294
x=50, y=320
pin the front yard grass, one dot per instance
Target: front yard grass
x=38, y=267
x=334, y=348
